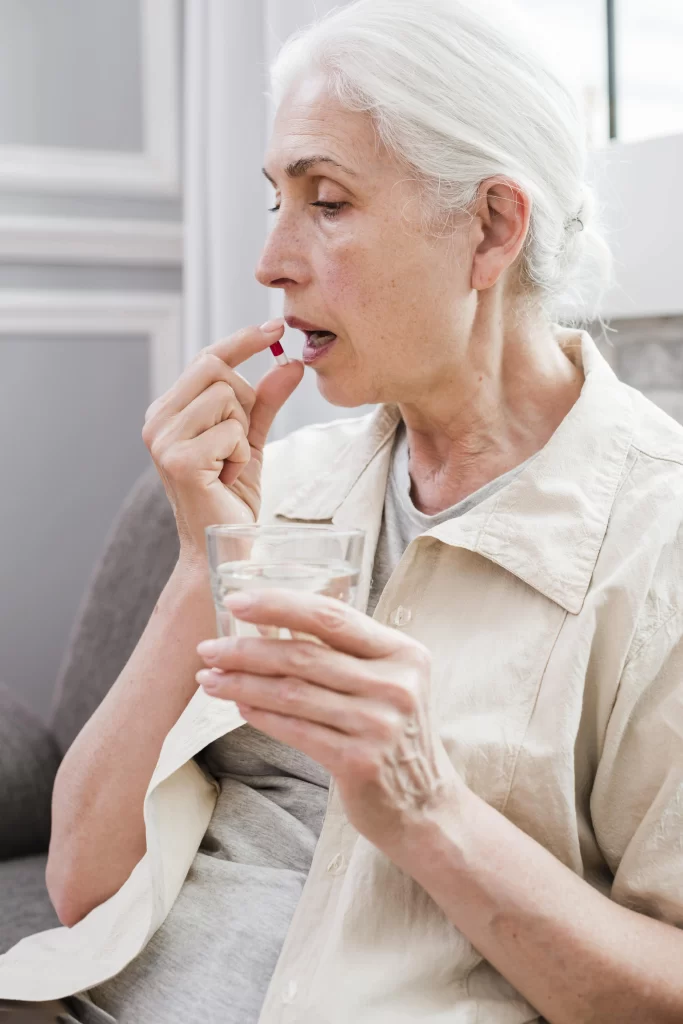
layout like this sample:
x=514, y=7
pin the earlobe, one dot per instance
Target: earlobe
x=481, y=280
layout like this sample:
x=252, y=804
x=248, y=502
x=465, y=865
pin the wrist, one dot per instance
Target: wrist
x=191, y=575
x=192, y=565
x=439, y=835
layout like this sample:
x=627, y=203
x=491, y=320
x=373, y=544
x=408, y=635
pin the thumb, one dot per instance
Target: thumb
x=272, y=391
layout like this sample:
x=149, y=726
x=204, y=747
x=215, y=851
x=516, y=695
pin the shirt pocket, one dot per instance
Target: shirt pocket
x=491, y=636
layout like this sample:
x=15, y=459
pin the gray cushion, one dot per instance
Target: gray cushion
x=29, y=758
x=26, y=906
x=139, y=555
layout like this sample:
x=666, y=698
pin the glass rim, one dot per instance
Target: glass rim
x=230, y=530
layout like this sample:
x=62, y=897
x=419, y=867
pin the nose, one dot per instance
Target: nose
x=282, y=261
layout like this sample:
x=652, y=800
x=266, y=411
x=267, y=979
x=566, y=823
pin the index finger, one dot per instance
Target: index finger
x=337, y=624
x=245, y=343
x=198, y=375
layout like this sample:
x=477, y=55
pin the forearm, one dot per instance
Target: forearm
x=575, y=955
x=98, y=831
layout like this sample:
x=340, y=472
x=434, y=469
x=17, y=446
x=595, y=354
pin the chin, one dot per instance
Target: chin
x=346, y=394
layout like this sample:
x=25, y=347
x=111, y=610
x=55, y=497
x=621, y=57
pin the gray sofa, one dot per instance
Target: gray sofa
x=138, y=558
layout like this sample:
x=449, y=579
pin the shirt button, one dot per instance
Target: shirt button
x=289, y=992
x=337, y=864
x=400, y=616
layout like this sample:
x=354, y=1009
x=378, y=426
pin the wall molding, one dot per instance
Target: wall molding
x=157, y=315
x=153, y=172
x=85, y=241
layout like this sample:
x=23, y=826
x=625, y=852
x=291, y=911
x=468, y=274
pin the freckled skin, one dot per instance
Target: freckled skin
x=426, y=316
x=371, y=274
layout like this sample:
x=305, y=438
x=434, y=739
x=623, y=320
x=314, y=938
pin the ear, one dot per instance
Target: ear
x=501, y=222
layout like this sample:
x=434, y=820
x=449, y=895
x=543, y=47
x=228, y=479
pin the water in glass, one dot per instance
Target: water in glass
x=337, y=579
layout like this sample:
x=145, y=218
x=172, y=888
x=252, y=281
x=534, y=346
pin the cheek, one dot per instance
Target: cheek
x=347, y=287
x=375, y=288
x=361, y=277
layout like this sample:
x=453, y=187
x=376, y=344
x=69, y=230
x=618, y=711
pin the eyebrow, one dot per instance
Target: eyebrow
x=297, y=168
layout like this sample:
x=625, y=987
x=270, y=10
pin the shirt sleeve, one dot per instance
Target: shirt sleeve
x=637, y=797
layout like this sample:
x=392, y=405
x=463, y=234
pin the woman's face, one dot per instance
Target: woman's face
x=397, y=295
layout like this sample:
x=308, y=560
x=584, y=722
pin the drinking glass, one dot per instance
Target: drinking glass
x=300, y=557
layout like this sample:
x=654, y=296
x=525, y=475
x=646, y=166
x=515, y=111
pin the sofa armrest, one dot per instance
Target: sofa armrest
x=29, y=759
x=137, y=560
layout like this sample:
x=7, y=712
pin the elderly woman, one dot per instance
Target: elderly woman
x=479, y=774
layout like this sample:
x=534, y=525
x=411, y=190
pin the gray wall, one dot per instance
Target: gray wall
x=647, y=353
x=41, y=44
x=72, y=403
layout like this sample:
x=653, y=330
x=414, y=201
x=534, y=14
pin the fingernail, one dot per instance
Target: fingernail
x=208, y=647
x=209, y=676
x=270, y=326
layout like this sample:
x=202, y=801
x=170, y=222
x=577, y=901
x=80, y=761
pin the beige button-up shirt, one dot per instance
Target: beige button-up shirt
x=554, y=616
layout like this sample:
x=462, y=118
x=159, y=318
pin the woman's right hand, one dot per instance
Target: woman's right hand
x=207, y=433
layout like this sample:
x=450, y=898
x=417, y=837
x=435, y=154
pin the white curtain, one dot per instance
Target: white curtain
x=227, y=119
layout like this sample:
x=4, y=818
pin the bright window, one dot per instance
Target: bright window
x=572, y=34
x=649, y=62
x=648, y=52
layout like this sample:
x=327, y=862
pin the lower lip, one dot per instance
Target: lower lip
x=312, y=355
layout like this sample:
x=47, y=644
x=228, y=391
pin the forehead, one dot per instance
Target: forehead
x=309, y=121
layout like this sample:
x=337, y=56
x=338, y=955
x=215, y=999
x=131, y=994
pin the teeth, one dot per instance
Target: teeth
x=319, y=338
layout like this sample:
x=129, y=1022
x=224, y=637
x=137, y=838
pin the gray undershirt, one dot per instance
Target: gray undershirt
x=214, y=955
x=402, y=522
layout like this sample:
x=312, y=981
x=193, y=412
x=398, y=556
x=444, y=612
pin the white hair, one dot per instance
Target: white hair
x=458, y=95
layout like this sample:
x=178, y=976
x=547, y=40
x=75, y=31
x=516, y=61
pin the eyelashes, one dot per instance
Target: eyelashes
x=330, y=210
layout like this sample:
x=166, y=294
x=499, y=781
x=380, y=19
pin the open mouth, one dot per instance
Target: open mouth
x=316, y=339
x=317, y=342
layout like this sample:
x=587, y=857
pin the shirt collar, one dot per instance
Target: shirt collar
x=546, y=526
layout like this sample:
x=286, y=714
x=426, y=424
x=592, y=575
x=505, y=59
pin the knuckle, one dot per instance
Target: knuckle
x=239, y=646
x=233, y=429
x=219, y=364
x=237, y=683
x=249, y=399
x=156, y=450
x=176, y=461
x=300, y=658
x=212, y=361
x=203, y=352
x=151, y=410
x=383, y=723
x=225, y=392
x=225, y=388
x=405, y=697
x=151, y=425
x=290, y=693
x=332, y=618
x=148, y=435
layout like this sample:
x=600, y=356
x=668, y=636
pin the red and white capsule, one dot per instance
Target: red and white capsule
x=279, y=353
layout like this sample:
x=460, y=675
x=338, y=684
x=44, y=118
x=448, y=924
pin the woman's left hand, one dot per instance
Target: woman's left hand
x=357, y=702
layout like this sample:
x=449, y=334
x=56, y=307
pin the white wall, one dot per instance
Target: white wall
x=639, y=185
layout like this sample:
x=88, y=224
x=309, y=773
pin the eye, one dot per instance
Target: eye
x=331, y=210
